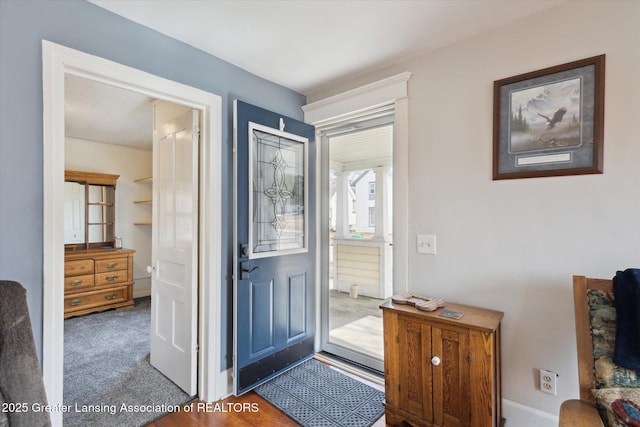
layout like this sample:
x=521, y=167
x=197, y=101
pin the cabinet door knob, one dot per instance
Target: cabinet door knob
x=435, y=360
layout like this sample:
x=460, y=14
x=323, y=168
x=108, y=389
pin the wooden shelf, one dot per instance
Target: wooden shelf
x=146, y=180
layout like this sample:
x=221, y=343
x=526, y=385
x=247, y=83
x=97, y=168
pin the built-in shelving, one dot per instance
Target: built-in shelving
x=146, y=180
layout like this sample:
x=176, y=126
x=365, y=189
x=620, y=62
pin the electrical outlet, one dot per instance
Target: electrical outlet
x=548, y=382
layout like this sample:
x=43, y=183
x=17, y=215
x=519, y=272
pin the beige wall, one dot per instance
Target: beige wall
x=130, y=164
x=513, y=245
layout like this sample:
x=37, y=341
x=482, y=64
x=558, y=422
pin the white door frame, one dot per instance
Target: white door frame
x=57, y=61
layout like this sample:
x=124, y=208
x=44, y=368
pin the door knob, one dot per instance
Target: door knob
x=435, y=360
x=245, y=271
x=150, y=269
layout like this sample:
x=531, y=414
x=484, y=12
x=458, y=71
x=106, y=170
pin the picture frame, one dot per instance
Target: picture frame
x=550, y=122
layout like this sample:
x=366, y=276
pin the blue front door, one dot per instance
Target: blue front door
x=274, y=272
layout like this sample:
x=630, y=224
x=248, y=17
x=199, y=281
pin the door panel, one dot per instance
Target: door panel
x=297, y=293
x=274, y=262
x=174, y=251
x=262, y=321
x=451, y=391
x=415, y=342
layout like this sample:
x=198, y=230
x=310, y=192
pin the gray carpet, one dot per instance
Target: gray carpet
x=106, y=366
x=316, y=395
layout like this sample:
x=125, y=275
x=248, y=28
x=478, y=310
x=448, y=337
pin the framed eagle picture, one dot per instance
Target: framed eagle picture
x=550, y=122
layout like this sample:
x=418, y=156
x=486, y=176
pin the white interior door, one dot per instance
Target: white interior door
x=174, y=279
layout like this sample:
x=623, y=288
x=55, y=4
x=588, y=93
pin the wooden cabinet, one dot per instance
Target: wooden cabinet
x=89, y=210
x=440, y=371
x=97, y=280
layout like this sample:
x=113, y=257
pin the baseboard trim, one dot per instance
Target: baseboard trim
x=518, y=414
x=139, y=292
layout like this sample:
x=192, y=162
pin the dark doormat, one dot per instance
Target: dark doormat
x=316, y=395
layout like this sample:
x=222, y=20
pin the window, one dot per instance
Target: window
x=372, y=190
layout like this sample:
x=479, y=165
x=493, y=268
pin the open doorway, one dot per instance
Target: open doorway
x=57, y=62
x=107, y=355
x=357, y=238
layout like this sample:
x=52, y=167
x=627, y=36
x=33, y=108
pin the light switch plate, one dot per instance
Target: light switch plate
x=426, y=244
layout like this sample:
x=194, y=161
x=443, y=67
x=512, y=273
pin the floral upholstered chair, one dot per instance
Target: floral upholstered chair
x=609, y=393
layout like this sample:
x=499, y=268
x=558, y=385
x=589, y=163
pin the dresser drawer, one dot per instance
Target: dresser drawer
x=77, y=283
x=111, y=277
x=78, y=268
x=94, y=299
x=112, y=264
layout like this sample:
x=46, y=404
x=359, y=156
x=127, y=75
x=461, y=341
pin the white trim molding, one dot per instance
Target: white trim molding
x=57, y=61
x=390, y=93
x=521, y=415
x=355, y=101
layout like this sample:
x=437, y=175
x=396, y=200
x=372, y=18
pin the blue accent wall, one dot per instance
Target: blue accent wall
x=83, y=26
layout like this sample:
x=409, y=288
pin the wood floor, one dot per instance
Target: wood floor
x=246, y=410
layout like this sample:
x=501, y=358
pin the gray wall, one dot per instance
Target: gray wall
x=88, y=28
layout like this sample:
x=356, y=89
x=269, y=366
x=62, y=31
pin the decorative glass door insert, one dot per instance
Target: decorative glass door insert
x=278, y=192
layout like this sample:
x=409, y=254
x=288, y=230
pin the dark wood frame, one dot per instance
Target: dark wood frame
x=595, y=90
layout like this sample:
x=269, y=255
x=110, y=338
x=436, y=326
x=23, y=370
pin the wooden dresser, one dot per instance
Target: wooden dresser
x=440, y=371
x=97, y=280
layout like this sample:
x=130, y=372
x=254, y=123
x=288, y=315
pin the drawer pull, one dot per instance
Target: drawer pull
x=76, y=282
x=75, y=302
x=435, y=360
x=111, y=264
x=111, y=296
x=111, y=278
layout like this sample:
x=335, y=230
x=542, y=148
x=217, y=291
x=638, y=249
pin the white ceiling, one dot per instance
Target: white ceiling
x=98, y=112
x=304, y=45
x=363, y=149
x=307, y=44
